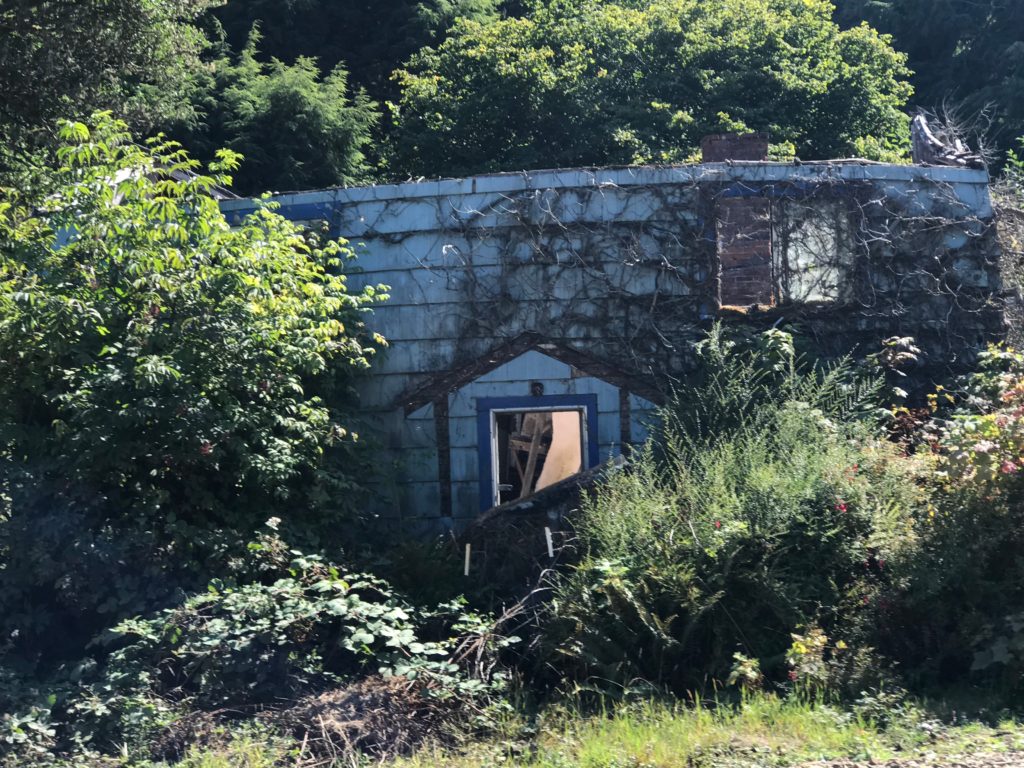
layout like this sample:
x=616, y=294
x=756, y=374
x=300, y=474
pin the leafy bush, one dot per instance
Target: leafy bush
x=768, y=507
x=168, y=382
x=1012, y=182
x=595, y=82
x=262, y=641
x=296, y=625
x=294, y=128
x=959, y=620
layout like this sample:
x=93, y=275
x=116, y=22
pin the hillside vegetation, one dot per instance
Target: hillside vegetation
x=328, y=92
x=801, y=563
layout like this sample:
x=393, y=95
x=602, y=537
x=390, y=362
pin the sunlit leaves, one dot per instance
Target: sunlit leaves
x=594, y=82
x=197, y=370
x=295, y=128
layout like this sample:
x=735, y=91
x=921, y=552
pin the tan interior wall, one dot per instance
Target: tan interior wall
x=565, y=455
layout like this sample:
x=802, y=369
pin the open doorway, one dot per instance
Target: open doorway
x=534, y=449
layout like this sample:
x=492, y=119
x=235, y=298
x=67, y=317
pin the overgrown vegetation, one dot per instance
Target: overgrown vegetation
x=294, y=128
x=605, y=83
x=959, y=614
x=426, y=87
x=785, y=543
x=769, y=508
x=790, y=563
x=285, y=628
x=167, y=384
x=765, y=731
x=170, y=382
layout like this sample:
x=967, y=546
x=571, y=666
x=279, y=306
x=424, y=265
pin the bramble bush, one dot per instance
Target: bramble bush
x=773, y=534
x=768, y=505
x=959, y=620
x=294, y=624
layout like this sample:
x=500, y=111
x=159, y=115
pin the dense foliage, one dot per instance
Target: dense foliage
x=289, y=624
x=169, y=382
x=370, y=38
x=962, y=611
x=593, y=82
x=139, y=58
x=163, y=377
x=588, y=81
x=773, y=536
x=964, y=53
x=295, y=129
x=776, y=511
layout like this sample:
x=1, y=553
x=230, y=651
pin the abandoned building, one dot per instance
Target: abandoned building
x=536, y=319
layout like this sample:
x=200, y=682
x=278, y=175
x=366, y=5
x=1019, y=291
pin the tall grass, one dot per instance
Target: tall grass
x=762, y=508
x=761, y=730
x=764, y=730
x=242, y=752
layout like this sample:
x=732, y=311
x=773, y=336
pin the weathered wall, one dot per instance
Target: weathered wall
x=626, y=266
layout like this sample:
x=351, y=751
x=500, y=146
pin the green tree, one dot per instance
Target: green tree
x=581, y=82
x=294, y=129
x=370, y=38
x=161, y=376
x=139, y=58
x=969, y=53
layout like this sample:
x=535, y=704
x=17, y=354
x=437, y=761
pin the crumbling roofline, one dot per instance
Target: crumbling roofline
x=440, y=385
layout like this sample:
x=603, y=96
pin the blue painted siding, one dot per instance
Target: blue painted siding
x=510, y=384
x=445, y=249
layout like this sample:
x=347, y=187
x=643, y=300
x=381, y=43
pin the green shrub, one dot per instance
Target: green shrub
x=298, y=625
x=959, y=620
x=166, y=385
x=768, y=505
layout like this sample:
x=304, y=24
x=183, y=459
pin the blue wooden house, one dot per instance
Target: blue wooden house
x=536, y=320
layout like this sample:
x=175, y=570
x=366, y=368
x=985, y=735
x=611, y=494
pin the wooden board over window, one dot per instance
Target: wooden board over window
x=744, y=235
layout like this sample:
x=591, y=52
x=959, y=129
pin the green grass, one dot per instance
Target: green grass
x=243, y=752
x=662, y=736
x=765, y=731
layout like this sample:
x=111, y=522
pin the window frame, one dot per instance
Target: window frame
x=486, y=425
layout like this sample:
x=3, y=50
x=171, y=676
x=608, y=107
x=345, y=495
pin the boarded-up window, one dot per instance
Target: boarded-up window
x=744, y=235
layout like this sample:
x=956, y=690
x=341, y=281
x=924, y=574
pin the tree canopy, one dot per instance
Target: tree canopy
x=967, y=53
x=488, y=84
x=139, y=58
x=294, y=128
x=371, y=39
x=587, y=82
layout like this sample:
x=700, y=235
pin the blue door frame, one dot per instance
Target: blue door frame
x=485, y=408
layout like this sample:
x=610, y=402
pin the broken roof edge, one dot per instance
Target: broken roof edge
x=627, y=176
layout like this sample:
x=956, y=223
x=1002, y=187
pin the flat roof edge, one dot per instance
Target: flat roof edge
x=626, y=176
